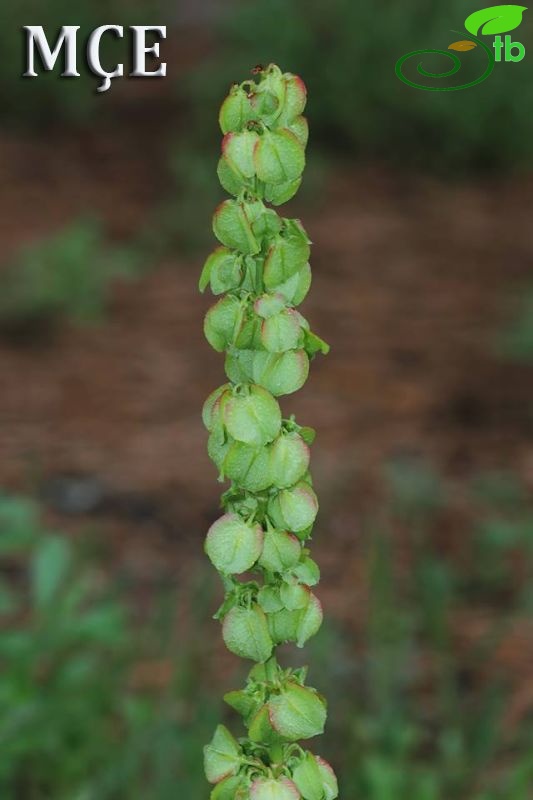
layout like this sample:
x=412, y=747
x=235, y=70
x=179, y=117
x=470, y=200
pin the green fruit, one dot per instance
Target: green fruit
x=287, y=255
x=217, y=447
x=281, y=332
x=222, y=322
x=260, y=729
x=226, y=789
x=281, y=373
x=270, y=789
x=230, y=180
x=281, y=551
x=236, y=110
x=222, y=757
x=245, y=632
x=278, y=157
x=248, y=466
x=306, y=571
x=223, y=270
x=238, y=151
x=294, y=596
x=310, y=620
x=232, y=545
x=295, y=99
x=269, y=599
x=329, y=780
x=289, y=460
x=298, y=506
x=253, y=418
x=232, y=225
x=300, y=128
x=239, y=365
x=212, y=409
x=243, y=703
x=297, y=713
x=283, y=625
x=295, y=289
x=308, y=779
x=279, y=193
x=269, y=305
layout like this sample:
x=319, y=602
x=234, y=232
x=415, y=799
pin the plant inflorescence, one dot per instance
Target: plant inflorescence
x=259, y=545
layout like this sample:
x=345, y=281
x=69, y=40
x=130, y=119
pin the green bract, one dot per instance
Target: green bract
x=260, y=273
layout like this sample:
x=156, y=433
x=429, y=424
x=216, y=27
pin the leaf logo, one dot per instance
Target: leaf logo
x=494, y=20
x=462, y=46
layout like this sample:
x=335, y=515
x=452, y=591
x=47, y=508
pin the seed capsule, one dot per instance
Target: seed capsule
x=260, y=729
x=310, y=620
x=281, y=551
x=295, y=289
x=246, y=633
x=222, y=322
x=248, y=466
x=212, y=409
x=232, y=545
x=236, y=111
x=233, y=227
x=294, y=509
x=222, y=756
x=282, y=332
x=295, y=98
x=300, y=128
x=227, y=789
x=289, y=460
x=253, y=418
x=229, y=179
x=308, y=779
x=297, y=713
x=223, y=270
x=278, y=157
x=329, y=779
x=287, y=255
x=279, y=193
x=294, y=596
x=238, y=150
x=281, y=373
x=283, y=625
x=282, y=789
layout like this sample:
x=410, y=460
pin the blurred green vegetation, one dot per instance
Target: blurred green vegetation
x=68, y=275
x=414, y=716
x=73, y=724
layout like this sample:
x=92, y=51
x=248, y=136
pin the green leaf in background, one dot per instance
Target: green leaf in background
x=496, y=19
x=50, y=566
x=18, y=524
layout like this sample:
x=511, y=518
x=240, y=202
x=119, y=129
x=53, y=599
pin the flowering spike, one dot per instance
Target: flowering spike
x=260, y=271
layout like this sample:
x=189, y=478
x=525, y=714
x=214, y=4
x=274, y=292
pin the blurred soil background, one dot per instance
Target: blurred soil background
x=419, y=208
